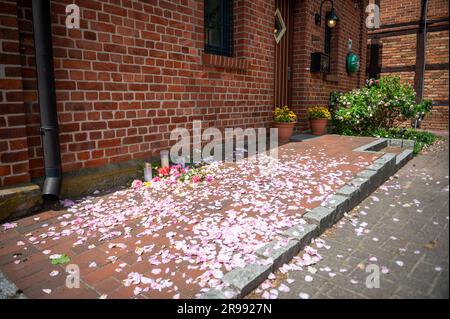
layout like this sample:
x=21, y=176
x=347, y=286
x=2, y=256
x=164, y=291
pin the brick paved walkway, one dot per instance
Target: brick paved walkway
x=175, y=241
x=402, y=229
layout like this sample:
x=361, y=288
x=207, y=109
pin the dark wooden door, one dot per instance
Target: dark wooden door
x=282, y=57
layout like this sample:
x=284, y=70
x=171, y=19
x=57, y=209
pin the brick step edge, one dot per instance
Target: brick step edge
x=242, y=281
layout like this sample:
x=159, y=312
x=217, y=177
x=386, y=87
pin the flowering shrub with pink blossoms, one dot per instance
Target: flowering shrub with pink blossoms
x=381, y=104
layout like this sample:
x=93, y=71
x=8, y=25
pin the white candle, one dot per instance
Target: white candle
x=181, y=161
x=165, y=159
x=148, y=172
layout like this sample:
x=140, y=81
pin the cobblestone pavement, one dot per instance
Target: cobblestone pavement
x=401, y=229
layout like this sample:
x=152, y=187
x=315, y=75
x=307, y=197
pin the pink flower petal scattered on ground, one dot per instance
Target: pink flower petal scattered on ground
x=284, y=288
x=229, y=294
x=7, y=226
x=290, y=280
x=67, y=202
x=137, y=291
x=303, y=295
x=156, y=271
x=213, y=227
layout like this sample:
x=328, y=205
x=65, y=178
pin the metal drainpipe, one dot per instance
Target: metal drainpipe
x=47, y=98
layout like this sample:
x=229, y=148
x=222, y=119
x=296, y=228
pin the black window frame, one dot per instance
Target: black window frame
x=226, y=16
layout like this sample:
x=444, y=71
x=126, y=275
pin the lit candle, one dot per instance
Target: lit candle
x=148, y=172
x=165, y=159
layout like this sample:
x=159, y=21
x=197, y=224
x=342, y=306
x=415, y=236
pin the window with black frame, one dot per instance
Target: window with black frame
x=218, y=27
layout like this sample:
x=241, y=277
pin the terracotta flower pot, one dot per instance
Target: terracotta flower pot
x=318, y=126
x=285, y=130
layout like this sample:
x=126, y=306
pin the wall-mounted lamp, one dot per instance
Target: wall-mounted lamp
x=331, y=18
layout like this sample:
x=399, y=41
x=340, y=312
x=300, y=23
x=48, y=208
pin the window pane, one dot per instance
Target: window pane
x=218, y=27
x=213, y=22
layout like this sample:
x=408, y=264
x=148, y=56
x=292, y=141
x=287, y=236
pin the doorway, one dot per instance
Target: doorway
x=283, y=29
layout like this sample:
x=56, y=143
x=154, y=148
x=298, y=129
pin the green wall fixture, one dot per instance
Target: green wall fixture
x=352, y=63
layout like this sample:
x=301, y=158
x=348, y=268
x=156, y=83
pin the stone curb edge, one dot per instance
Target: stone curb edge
x=242, y=281
x=8, y=290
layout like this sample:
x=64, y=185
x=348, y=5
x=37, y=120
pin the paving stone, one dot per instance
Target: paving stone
x=369, y=174
x=403, y=158
x=409, y=144
x=363, y=185
x=352, y=193
x=302, y=233
x=9, y=290
x=280, y=253
x=340, y=204
x=320, y=216
x=248, y=278
x=375, y=166
x=372, y=146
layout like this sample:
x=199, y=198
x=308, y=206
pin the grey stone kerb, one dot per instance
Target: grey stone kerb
x=8, y=290
x=242, y=281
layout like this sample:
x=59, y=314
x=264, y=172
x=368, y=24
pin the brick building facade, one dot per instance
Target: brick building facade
x=394, y=50
x=135, y=70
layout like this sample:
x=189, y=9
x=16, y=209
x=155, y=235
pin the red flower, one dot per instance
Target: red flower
x=164, y=171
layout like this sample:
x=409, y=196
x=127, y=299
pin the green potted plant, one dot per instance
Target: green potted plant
x=318, y=119
x=284, y=121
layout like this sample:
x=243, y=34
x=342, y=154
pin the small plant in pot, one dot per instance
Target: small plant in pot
x=284, y=121
x=318, y=119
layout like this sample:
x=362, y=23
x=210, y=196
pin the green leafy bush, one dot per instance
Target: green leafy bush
x=380, y=104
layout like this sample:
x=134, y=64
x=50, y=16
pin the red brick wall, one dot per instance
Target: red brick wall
x=399, y=50
x=13, y=134
x=309, y=89
x=135, y=70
